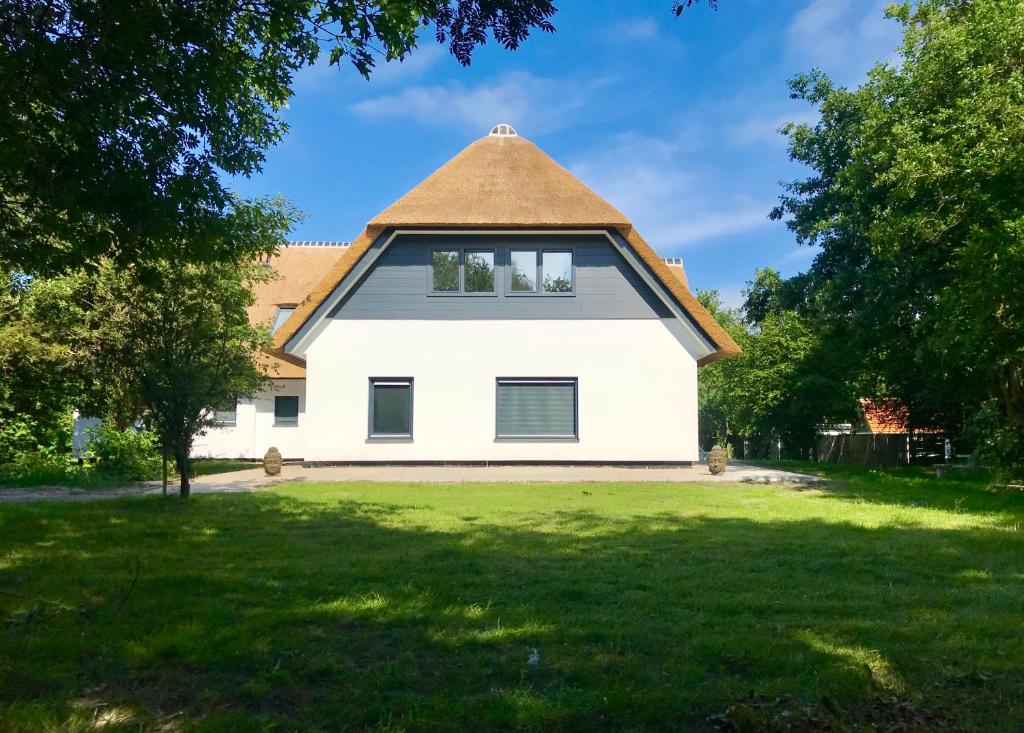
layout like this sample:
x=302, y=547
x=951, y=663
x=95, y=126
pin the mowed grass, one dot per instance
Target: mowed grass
x=208, y=466
x=877, y=603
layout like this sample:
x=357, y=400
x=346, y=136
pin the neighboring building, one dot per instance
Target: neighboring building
x=881, y=437
x=883, y=416
x=500, y=311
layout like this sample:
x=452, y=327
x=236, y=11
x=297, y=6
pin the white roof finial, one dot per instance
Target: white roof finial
x=503, y=130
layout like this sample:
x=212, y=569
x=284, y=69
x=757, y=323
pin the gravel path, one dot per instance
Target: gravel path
x=255, y=479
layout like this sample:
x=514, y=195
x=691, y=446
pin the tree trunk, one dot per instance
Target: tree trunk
x=165, y=471
x=184, y=469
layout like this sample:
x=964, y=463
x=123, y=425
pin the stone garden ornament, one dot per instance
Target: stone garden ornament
x=716, y=460
x=272, y=462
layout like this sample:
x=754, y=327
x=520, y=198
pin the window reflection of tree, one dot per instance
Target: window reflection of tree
x=479, y=272
x=523, y=281
x=559, y=284
x=446, y=271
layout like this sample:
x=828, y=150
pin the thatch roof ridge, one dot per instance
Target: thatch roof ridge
x=501, y=181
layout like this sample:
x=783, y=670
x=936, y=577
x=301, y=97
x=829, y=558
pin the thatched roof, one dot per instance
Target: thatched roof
x=501, y=182
x=298, y=268
x=507, y=182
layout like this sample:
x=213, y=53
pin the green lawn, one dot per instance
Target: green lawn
x=208, y=466
x=881, y=602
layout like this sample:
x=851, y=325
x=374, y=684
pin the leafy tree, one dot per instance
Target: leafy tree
x=717, y=405
x=40, y=382
x=179, y=336
x=915, y=201
x=784, y=385
x=119, y=121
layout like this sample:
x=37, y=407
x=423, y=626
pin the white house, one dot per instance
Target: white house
x=501, y=311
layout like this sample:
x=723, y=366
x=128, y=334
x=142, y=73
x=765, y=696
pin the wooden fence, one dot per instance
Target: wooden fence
x=880, y=450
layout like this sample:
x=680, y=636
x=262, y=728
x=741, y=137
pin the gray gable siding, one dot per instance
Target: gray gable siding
x=397, y=285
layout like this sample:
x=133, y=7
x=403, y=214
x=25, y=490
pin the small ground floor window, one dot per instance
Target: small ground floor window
x=390, y=408
x=286, y=410
x=226, y=416
x=537, y=409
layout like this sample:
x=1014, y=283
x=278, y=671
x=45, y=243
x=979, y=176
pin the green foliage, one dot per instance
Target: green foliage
x=178, y=336
x=915, y=202
x=716, y=398
x=784, y=385
x=120, y=123
x=128, y=454
x=40, y=466
x=39, y=381
x=209, y=466
x=159, y=341
x=113, y=456
x=995, y=443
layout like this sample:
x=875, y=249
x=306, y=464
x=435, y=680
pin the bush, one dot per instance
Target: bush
x=22, y=435
x=41, y=468
x=129, y=454
x=995, y=443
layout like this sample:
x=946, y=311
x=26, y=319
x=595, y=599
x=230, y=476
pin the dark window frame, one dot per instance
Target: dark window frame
x=287, y=422
x=540, y=292
x=574, y=438
x=371, y=436
x=462, y=292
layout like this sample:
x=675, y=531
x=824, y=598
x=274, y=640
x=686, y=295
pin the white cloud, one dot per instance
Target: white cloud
x=765, y=130
x=631, y=30
x=420, y=60
x=317, y=76
x=529, y=103
x=798, y=258
x=647, y=179
x=731, y=295
x=843, y=37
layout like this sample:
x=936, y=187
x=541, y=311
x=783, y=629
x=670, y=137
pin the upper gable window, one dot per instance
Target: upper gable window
x=462, y=270
x=478, y=270
x=541, y=272
x=557, y=271
x=523, y=269
x=445, y=266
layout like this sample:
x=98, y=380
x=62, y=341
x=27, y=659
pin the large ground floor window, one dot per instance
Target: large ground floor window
x=390, y=408
x=537, y=409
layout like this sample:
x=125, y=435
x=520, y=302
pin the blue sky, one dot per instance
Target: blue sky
x=672, y=120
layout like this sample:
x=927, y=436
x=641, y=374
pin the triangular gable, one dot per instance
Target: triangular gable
x=506, y=182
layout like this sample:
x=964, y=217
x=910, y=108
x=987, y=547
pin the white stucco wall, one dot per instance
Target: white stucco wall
x=254, y=431
x=637, y=388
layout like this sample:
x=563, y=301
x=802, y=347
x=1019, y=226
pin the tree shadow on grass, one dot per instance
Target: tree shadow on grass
x=253, y=611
